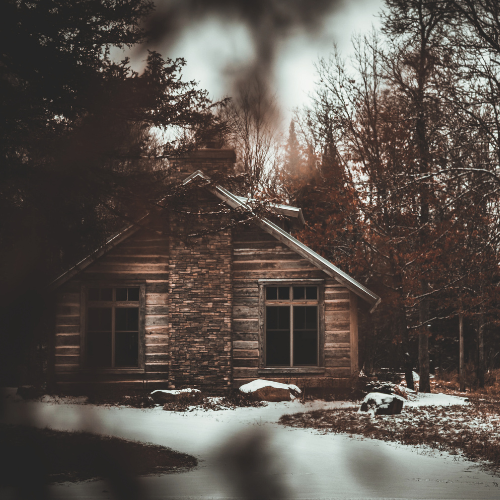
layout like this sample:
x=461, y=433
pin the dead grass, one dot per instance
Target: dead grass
x=472, y=430
x=450, y=382
x=55, y=456
x=142, y=399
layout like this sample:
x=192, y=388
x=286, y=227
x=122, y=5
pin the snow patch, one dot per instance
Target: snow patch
x=437, y=399
x=255, y=385
x=175, y=392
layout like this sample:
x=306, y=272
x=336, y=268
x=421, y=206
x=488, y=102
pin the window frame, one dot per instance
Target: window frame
x=319, y=302
x=142, y=325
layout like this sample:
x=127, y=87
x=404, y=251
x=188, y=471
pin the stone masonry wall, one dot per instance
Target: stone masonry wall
x=200, y=296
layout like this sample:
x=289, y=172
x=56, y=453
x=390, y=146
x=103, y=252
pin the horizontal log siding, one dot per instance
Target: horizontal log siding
x=67, y=335
x=337, y=330
x=258, y=255
x=142, y=258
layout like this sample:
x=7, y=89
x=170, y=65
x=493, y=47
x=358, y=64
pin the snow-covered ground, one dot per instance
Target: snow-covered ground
x=306, y=463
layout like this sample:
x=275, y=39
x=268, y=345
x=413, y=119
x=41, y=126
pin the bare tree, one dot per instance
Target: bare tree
x=254, y=132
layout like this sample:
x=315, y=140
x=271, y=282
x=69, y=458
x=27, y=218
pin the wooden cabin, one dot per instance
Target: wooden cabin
x=209, y=295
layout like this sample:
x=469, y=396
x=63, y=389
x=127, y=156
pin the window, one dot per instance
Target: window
x=112, y=333
x=291, y=326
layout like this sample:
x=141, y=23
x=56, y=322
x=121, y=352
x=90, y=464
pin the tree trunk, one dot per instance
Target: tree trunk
x=408, y=365
x=461, y=352
x=423, y=343
x=480, y=351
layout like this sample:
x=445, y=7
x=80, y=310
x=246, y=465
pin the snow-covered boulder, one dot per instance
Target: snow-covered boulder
x=382, y=404
x=267, y=390
x=166, y=396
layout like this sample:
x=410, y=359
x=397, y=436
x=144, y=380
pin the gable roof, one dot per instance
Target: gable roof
x=238, y=202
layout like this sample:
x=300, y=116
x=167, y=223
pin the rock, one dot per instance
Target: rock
x=167, y=396
x=382, y=404
x=267, y=390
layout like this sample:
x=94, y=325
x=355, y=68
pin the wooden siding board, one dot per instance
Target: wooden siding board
x=67, y=340
x=156, y=330
x=156, y=299
x=67, y=329
x=337, y=337
x=156, y=339
x=245, y=325
x=72, y=359
x=72, y=298
x=246, y=312
x=157, y=286
x=117, y=277
x=250, y=373
x=156, y=310
x=245, y=362
x=65, y=350
x=245, y=336
x=354, y=334
x=156, y=348
x=283, y=266
x=246, y=353
x=156, y=321
x=245, y=344
x=67, y=320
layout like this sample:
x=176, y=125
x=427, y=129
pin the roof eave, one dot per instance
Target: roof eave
x=322, y=263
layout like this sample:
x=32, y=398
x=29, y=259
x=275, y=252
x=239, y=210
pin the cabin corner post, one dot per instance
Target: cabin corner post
x=83, y=325
x=321, y=324
x=262, y=360
x=353, y=329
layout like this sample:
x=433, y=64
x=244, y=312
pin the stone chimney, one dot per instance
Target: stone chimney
x=218, y=164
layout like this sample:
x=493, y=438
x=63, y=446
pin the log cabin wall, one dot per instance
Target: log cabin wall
x=259, y=258
x=202, y=302
x=185, y=335
x=141, y=260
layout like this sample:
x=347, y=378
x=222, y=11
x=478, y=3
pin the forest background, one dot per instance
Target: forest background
x=395, y=162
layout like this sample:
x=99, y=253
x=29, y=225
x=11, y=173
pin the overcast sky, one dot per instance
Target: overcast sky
x=227, y=41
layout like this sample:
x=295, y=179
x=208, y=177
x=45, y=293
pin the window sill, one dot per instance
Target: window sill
x=114, y=370
x=292, y=370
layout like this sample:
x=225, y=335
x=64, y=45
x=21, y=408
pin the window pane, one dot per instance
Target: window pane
x=99, y=349
x=311, y=292
x=271, y=293
x=278, y=318
x=278, y=348
x=133, y=294
x=121, y=294
x=305, y=317
x=298, y=292
x=272, y=318
x=99, y=319
x=299, y=318
x=305, y=347
x=283, y=292
x=126, y=349
x=106, y=294
x=93, y=293
x=126, y=319
x=311, y=317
